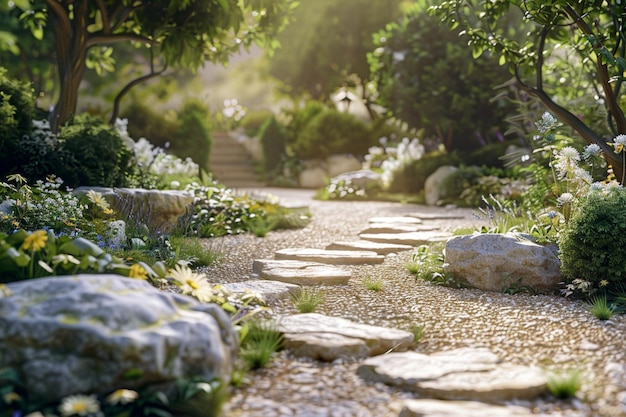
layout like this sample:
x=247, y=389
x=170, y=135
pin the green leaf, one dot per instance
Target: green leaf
x=81, y=246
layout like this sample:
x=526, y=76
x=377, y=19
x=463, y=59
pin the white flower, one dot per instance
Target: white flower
x=547, y=122
x=583, y=175
x=122, y=396
x=591, y=150
x=570, y=154
x=192, y=283
x=565, y=198
x=81, y=405
x=619, y=142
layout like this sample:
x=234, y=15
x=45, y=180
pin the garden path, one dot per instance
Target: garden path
x=545, y=331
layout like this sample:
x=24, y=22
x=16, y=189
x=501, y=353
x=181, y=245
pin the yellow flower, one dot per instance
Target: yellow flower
x=79, y=404
x=98, y=199
x=5, y=291
x=192, y=283
x=604, y=283
x=11, y=397
x=137, y=271
x=122, y=396
x=36, y=240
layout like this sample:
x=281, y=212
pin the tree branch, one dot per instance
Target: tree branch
x=120, y=37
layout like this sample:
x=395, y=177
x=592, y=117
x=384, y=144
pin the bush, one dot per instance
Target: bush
x=17, y=110
x=193, y=136
x=331, y=132
x=254, y=120
x=146, y=123
x=593, y=245
x=300, y=117
x=273, y=139
x=411, y=177
x=96, y=154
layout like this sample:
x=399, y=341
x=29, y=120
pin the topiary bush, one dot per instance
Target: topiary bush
x=96, y=154
x=593, y=245
x=273, y=137
x=17, y=110
x=193, y=136
x=331, y=132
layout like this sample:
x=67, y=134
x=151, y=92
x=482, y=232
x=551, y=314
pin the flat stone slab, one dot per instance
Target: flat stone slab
x=269, y=290
x=408, y=238
x=435, y=216
x=367, y=245
x=461, y=374
x=300, y=272
x=396, y=220
x=436, y=408
x=397, y=228
x=333, y=257
x=328, y=338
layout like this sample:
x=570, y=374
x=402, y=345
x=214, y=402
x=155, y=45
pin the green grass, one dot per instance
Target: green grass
x=600, y=308
x=417, y=330
x=565, y=384
x=307, y=300
x=192, y=250
x=259, y=342
x=373, y=284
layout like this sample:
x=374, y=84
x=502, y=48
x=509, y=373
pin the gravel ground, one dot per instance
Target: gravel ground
x=535, y=330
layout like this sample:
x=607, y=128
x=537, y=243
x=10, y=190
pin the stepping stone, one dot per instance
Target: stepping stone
x=328, y=338
x=435, y=216
x=333, y=257
x=436, y=408
x=461, y=374
x=408, y=238
x=379, y=248
x=397, y=228
x=396, y=220
x=269, y=290
x=300, y=272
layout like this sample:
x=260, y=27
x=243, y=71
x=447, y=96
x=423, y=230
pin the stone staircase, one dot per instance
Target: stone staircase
x=231, y=164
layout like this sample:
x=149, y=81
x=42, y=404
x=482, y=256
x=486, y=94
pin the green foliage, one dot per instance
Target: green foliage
x=301, y=116
x=326, y=45
x=273, y=136
x=254, y=120
x=593, y=245
x=417, y=330
x=332, y=132
x=193, y=136
x=564, y=385
x=307, y=300
x=144, y=122
x=410, y=178
x=97, y=154
x=373, y=284
x=17, y=110
x=427, y=264
x=600, y=308
x=259, y=343
x=426, y=76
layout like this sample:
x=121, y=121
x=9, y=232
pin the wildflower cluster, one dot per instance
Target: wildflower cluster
x=344, y=189
x=407, y=151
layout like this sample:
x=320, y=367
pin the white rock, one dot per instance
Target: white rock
x=300, y=272
x=363, y=178
x=492, y=262
x=314, y=177
x=397, y=228
x=334, y=257
x=366, y=245
x=434, y=184
x=437, y=408
x=69, y=335
x=329, y=338
x=269, y=290
x=407, y=238
x=462, y=374
x=339, y=164
x=395, y=220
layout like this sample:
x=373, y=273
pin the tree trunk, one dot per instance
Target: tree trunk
x=71, y=51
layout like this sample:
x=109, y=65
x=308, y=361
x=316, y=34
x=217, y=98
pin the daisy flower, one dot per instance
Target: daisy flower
x=122, y=396
x=81, y=405
x=192, y=283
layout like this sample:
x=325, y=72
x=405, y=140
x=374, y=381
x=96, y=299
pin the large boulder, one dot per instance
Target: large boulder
x=91, y=333
x=157, y=209
x=434, y=189
x=495, y=262
x=338, y=164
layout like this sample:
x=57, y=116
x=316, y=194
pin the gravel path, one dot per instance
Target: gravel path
x=540, y=330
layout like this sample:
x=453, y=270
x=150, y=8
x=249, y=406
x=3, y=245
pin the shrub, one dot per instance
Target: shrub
x=147, y=123
x=410, y=178
x=273, y=137
x=300, y=117
x=17, y=110
x=593, y=245
x=332, y=132
x=193, y=136
x=97, y=154
x=254, y=120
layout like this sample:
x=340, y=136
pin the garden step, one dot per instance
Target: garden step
x=333, y=257
x=408, y=238
x=397, y=228
x=269, y=290
x=328, y=338
x=396, y=220
x=435, y=216
x=366, y=245
x=299, y=272
x=460, y=374
x=438, y=408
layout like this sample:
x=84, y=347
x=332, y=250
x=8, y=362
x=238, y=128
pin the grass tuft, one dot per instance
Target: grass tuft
x=260, y=341
x=373, y=284
x=565, y=384
x=600, y=308
x=307, y=300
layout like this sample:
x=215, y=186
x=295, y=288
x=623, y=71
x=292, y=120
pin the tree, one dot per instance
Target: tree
x=424, y=74
x=326, y=45
x=592, y=31
x=182, y=33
